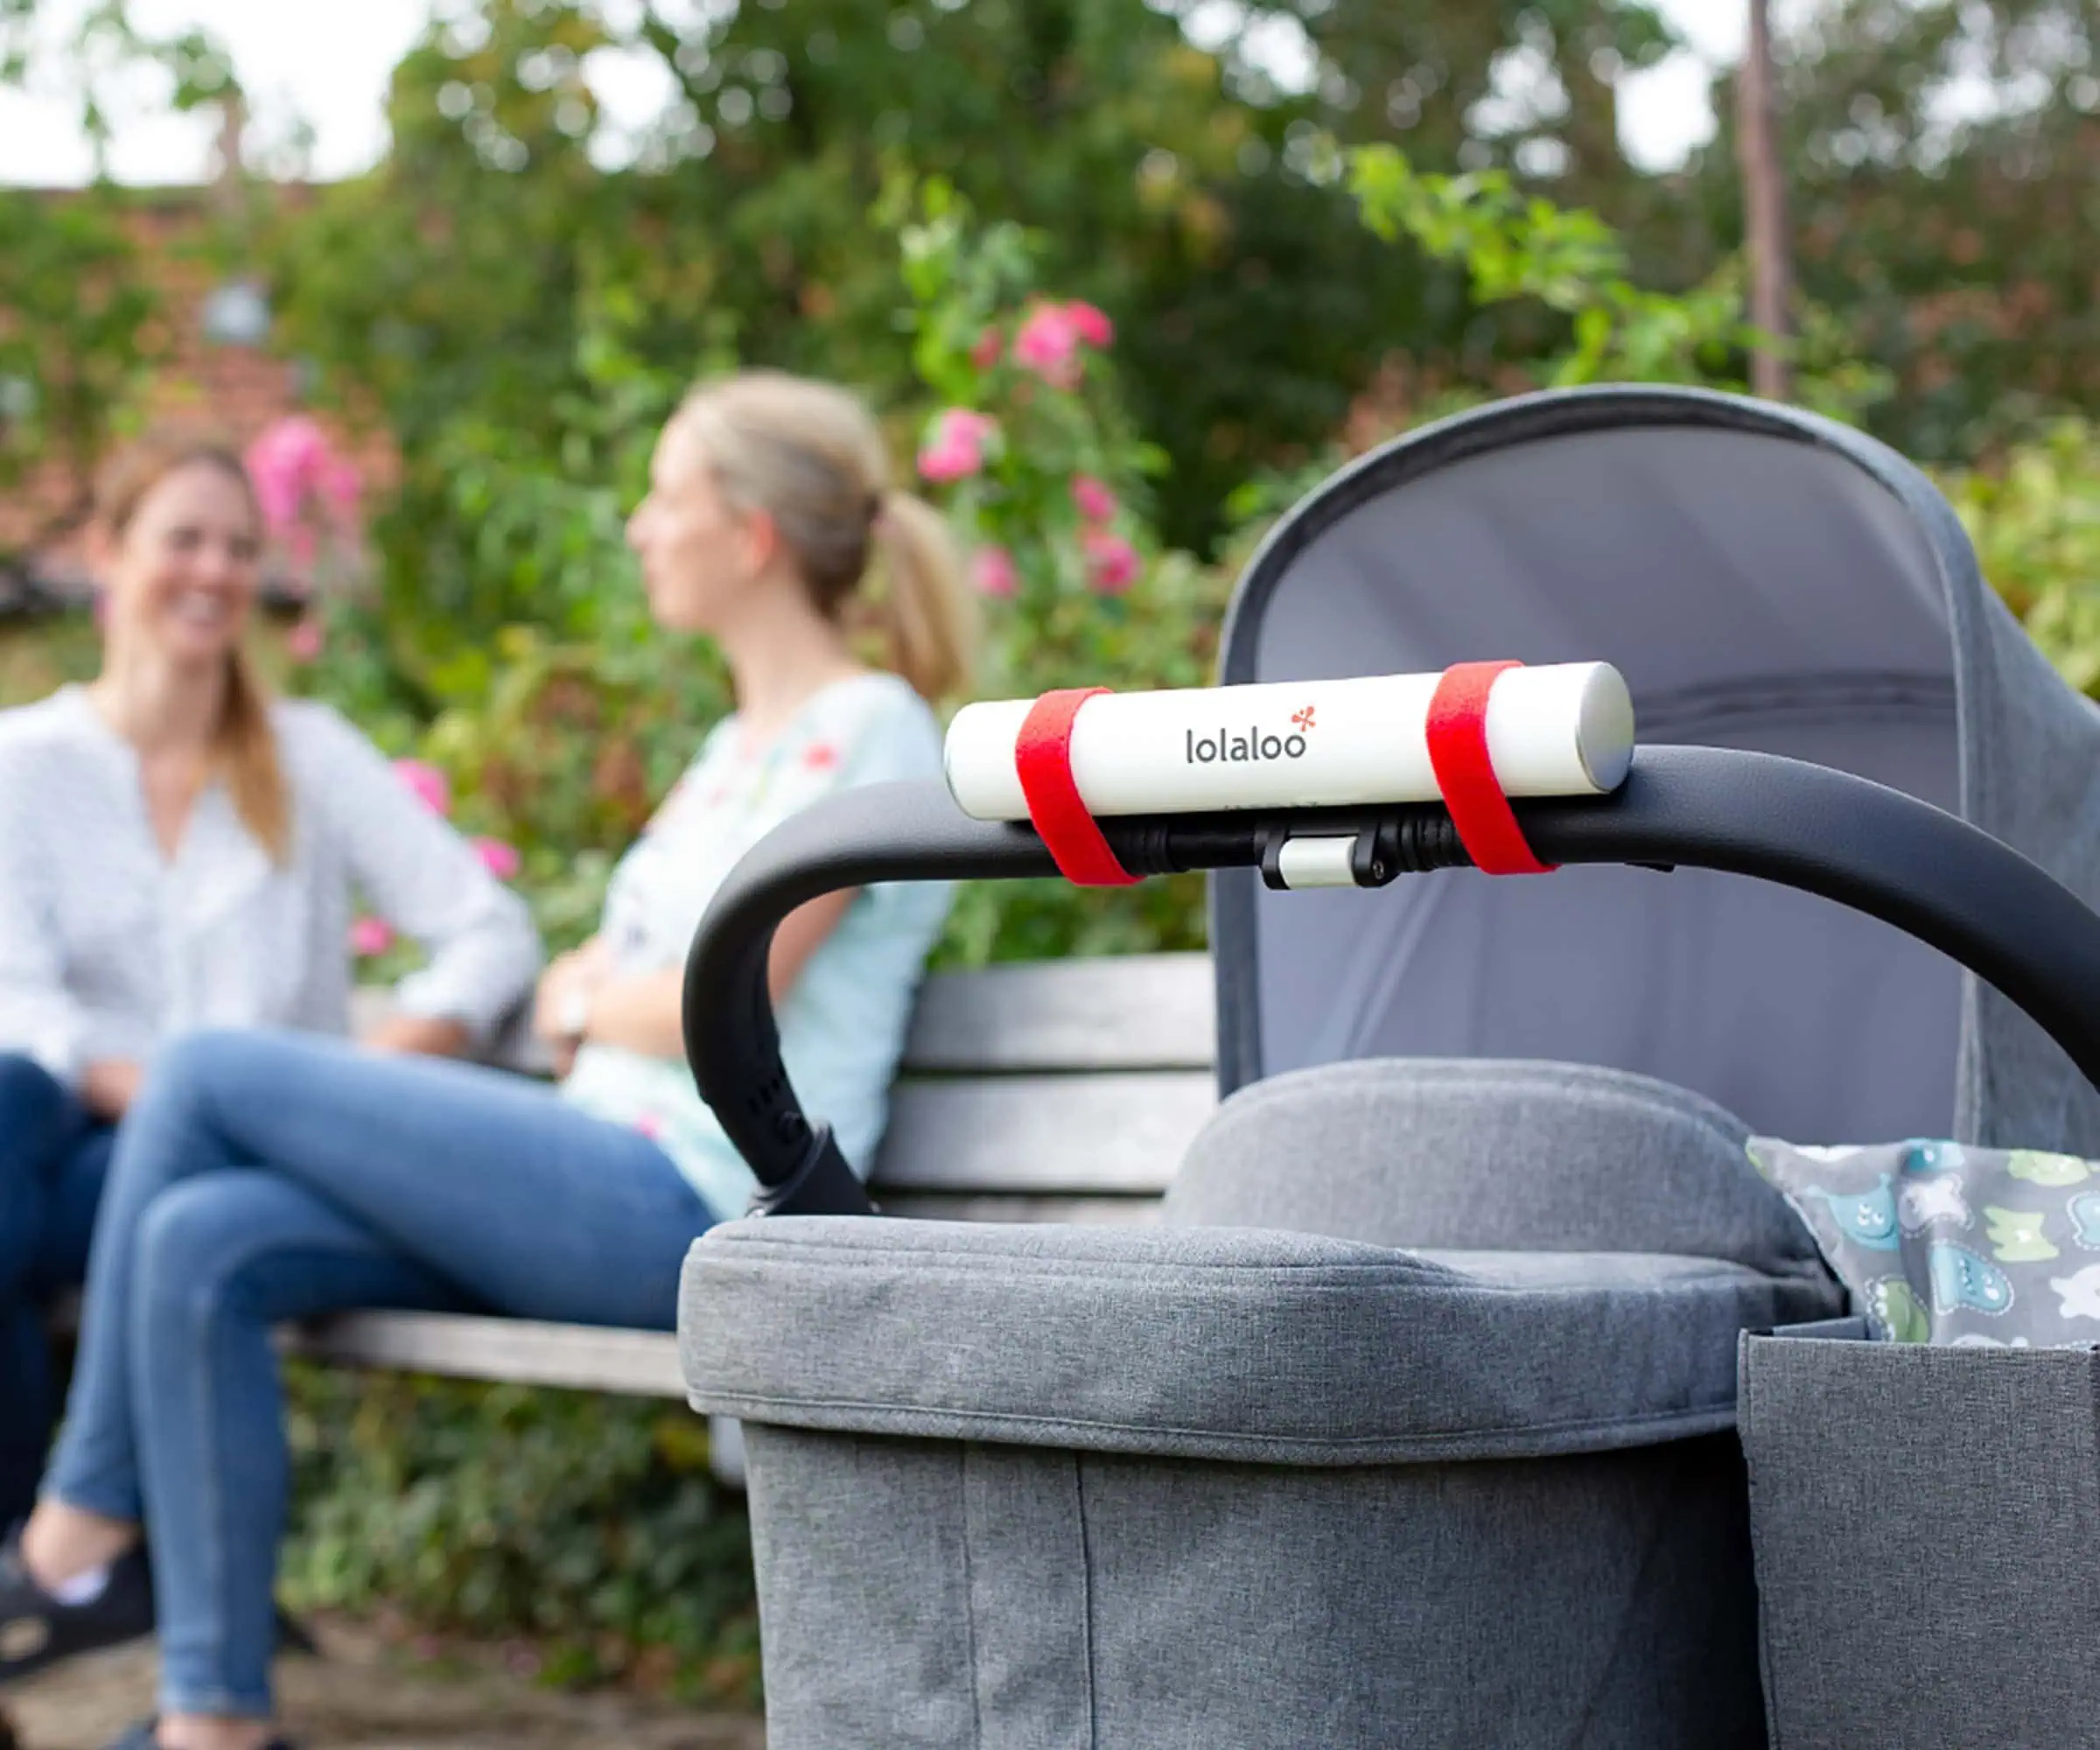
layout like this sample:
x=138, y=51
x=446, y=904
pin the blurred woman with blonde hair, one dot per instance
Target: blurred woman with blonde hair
x=263, y=1177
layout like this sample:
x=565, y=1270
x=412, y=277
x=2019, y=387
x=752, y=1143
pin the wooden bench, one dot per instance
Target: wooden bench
x=1058, y=1091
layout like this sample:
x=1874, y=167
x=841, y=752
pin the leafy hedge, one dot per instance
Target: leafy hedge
x=590, y=1524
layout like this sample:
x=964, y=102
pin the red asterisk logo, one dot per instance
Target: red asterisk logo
x=1304, y=718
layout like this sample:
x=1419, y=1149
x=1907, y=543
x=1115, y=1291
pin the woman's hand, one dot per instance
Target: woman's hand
x=420, y=1036
x=645, y=1013
x=109, y=1085
x=560, y=1007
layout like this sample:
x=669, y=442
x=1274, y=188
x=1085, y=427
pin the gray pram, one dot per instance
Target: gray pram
x=1414, y=1421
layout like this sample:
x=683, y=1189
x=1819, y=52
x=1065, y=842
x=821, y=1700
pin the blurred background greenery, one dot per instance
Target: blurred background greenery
x=1163, y=292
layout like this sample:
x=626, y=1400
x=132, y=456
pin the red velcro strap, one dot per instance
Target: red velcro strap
x=1458, y=754
x=1043, y=753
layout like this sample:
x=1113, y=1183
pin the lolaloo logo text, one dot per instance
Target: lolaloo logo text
x=1252, y=747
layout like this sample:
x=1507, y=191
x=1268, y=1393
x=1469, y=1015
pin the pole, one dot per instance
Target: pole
x=1765, y=207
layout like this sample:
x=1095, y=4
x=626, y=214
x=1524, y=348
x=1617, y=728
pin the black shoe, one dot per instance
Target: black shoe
x=292, y=1637
x=143, y=1737
x=36, y=1630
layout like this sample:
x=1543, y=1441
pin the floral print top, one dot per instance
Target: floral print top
x=842, y=1024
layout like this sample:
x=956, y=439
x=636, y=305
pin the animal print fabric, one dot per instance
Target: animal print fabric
x=1940, y=1242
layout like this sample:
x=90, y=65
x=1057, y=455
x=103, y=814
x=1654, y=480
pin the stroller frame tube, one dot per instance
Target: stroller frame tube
x=1825, y=832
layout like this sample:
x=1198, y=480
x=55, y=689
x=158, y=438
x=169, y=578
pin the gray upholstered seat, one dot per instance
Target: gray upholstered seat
x=1465, y=1305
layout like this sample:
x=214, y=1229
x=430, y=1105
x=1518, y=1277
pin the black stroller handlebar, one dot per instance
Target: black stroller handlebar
x=1825, y=832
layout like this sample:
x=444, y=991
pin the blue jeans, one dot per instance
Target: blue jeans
x=53, y=1154
x=263, y=1177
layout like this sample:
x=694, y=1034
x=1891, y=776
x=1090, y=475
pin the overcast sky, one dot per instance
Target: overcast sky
x=327, y=65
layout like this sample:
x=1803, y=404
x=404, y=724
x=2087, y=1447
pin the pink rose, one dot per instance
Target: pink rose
x=302, y=643
x=370, y=936
x=286, y=462
x=956, y=449
x=1111, y=561
x=986, y=352
x=431, y=785
x=340, y=487
x=500, y=860
x=1048, y=345
x=1096, y=502
x=1092, y=326
x=994, y=572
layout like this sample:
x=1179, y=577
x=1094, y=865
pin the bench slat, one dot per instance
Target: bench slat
x=518, y=1351
x=1115, y=1011
x=1122, y=1012
x=1035, y=1134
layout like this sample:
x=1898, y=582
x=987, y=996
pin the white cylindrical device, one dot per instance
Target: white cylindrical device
x=1563, y=728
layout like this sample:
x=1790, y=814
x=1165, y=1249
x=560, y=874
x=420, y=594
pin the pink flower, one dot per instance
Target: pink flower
x=1111, y=561
x=956, y=449
x=430, y=786
x=994, y=572
x=1096, y=502
x=370, y=936
x=340, y=485
x=986, y=352
x=1092, y=326
x=1048, y=345
x=289, y=460
x=302, y=643
x=500, y=860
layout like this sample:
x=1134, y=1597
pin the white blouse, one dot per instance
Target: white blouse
x=107, y=948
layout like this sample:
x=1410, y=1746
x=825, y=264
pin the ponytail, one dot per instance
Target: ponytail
x=922, y=608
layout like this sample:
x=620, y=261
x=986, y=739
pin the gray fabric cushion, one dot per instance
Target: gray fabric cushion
x=1510, y=1156
x=1214, y=1342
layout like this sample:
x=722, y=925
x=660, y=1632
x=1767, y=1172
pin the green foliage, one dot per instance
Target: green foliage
x=1061, y=493
x=1521, y=251
x=1159, y=181
x=73, y=332
x=592, y=1524
x=1516, y=245
x=2034, y=515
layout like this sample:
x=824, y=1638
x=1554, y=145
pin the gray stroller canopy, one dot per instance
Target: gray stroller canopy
x=1765, y=579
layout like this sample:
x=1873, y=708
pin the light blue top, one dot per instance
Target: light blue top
x=842, y=1024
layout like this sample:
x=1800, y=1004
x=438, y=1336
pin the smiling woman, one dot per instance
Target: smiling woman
x=178, y=850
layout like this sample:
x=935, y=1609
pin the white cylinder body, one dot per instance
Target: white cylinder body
x=1563, y=728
